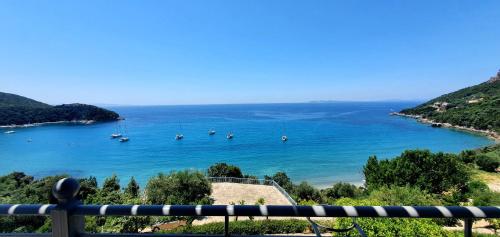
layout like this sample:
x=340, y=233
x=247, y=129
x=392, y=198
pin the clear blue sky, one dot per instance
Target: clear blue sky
x=201, y=52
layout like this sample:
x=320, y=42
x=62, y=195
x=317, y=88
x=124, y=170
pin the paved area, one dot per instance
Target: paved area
x=227, y=193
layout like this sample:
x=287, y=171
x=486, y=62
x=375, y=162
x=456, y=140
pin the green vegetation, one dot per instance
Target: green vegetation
x=182, y=187
x=416, y=177
x=19, y=110
x=433, y=172
x=248, y=227
x=476, y=106
x=224, y=170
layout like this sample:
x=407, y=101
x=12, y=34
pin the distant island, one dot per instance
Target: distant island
x=475, y=108
x=17, y=110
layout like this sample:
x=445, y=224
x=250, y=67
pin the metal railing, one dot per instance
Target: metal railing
x=68, y=215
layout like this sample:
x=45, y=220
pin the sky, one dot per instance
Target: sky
x=245, y=51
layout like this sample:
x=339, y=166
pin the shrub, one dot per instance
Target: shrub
x=247, y=227
x=403, y=196
x=341, y=189
x=224, y=170
x=487, y=163
x=381, y=227
x=467, y=156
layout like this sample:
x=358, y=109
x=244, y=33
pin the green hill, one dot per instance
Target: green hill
x=18, y=110
x=476, y=106
x=12, y=100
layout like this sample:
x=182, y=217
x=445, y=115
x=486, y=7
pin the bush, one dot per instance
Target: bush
x=247, y=227
x=487, y=163
x=467, y=156
x=340, y=190
x=404, y=196
x=224, y=170
x=381, y=227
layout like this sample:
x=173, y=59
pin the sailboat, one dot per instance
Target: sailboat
x=116, y=134
x=179, y=136
x=284, y=138
x=124, y=138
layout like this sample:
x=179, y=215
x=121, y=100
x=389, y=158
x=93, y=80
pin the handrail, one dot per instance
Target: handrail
x=67, y=215
x=261, y=210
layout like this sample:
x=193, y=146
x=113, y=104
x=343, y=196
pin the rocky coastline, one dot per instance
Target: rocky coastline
x=84, y=122
x=490, y=134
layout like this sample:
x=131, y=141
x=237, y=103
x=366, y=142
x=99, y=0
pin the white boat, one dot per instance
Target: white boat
x=10, y=132
x=124, y=139
x=211, y=132
x=230, y=135
x=179, y=137
x=284, y=138
x=116, y=135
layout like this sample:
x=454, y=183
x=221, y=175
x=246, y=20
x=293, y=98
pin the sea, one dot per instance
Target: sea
x=327, y=142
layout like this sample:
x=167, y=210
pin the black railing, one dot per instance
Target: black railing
x=67, y=216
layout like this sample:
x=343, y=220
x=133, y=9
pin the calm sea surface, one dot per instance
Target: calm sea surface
x=327, y=142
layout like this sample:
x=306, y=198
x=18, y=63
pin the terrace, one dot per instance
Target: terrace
x=68, y=215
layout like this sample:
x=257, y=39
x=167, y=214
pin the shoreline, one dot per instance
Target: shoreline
x=83, y=122
x=490, y=134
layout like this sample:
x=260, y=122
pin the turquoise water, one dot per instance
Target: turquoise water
x=327, y=142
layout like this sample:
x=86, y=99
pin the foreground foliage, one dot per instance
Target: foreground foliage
x=248, y=227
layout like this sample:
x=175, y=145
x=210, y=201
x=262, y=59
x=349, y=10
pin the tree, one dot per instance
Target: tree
x=282, y=179
x=88, y=187
x=305, y=191
x=111, y=184
x=181, y=187
x=132, y=189
x=224, y=170
x=433, y=172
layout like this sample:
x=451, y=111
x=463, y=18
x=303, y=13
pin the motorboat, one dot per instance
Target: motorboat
x=124, y=139
x=179, y=137
x=116, y=135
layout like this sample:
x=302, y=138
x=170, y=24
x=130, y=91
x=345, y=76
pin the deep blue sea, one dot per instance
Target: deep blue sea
x=328, y=142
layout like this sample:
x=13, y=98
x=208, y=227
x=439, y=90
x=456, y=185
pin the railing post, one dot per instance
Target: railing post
x=64, y=224
x=226, y=226
x=468, y=227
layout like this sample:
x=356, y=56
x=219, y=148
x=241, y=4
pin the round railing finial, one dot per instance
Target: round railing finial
x=65, y=189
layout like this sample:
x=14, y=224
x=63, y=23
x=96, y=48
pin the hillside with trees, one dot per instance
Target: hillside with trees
x=475, y=107
x=18, y=110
